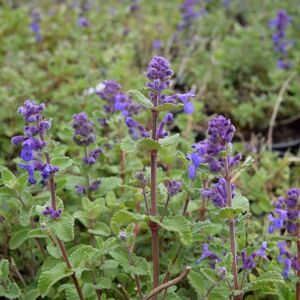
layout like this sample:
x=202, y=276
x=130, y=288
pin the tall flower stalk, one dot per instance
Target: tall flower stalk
x=215, y=151
x=33, y=142
x=158, y=74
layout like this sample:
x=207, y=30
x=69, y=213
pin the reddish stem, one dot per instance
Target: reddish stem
x=232, y=231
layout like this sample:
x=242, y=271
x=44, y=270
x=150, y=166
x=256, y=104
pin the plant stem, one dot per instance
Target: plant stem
x=60, y=243
x=165, y=209
x=166, y=285
x=232, y=231
x=153, y=211
x=98, y=291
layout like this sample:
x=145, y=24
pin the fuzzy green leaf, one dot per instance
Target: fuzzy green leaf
x=169, y=141
x=4, y=268
x=139, y=98
x=100, y=229
x=62, y=162
x=147, y=144
x=169, y=107
x=48, y=278
x=18, y=238
x=63, y=227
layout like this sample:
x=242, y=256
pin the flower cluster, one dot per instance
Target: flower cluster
x=54, y=214
x=189, y=13
x=248, y=262
x=159, y=73
x=209, y=151
x=289, y=261
x=281, y=44
x=174, y=187
x=94, y=186
x=84, y=129
x=286, y=217
x=32, y=141
x=35, y=26
x=286, y=213
x=110, y=91
x=217, y=193
x=84, y=136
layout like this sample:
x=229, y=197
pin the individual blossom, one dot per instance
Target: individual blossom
x=33, y=142
x=157, y=44
x=83, y=21
x=248, y=262
x=54, y=214
x=168, y=118
x=174, y=187
x=92, y=157
x=281, y=43
x=131, y=123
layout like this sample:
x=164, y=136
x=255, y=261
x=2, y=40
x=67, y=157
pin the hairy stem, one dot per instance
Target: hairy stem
x=153, y=211
x=232, y=231
x=166, y=285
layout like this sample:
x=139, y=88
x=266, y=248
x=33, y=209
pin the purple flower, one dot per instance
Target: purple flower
x=83, y=22
x=35, y=26
x=188, y=106
x=168, y=118
x=33, y=141
x=157, y=44
x=131, y=123
x=80, y=189
x=92, y=156
x=84, y=130
x=281, y=44
x=217, y=193
x=248, y=261
x=54, y=214
x=174, y=187
x=207, y=254
x=189, y=12
x=95, y=185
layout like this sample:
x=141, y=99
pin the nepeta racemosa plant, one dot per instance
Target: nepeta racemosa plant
x=216, y=153
x=84, y=136
x=158, y=74
x=38, y=160
x=286, y=219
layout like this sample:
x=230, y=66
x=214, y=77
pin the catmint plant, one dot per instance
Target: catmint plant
x=35, y=26
x=286, y=220
x=34, y=153
x=158, y=73
x=84, y=136
x=281, y=43
x=216, y=153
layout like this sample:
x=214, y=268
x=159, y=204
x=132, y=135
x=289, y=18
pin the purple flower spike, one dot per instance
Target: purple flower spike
x=207, y=254
x=54, y=214
x=174, y=187
x=84, y=129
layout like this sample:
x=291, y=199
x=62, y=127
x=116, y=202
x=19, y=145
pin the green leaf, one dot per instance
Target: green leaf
x=18, y=238
x=4, y=268
x=103, y=283
x=122, y=217
x=141, y=267
x=169, y=107
x=169, y=141
x=7, y=177
x=100, y=229
x=11, y=291
x=179, y=225
x=82, y=254
x=139, y=98
x=127, y=145
x=48, y=278
x=241, y=202
x=62, y=162
x=63, y=227
x=197, y=282
x=147, y=144
x=38, y=233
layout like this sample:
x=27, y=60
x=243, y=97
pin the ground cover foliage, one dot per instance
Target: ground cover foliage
x=158, y=155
